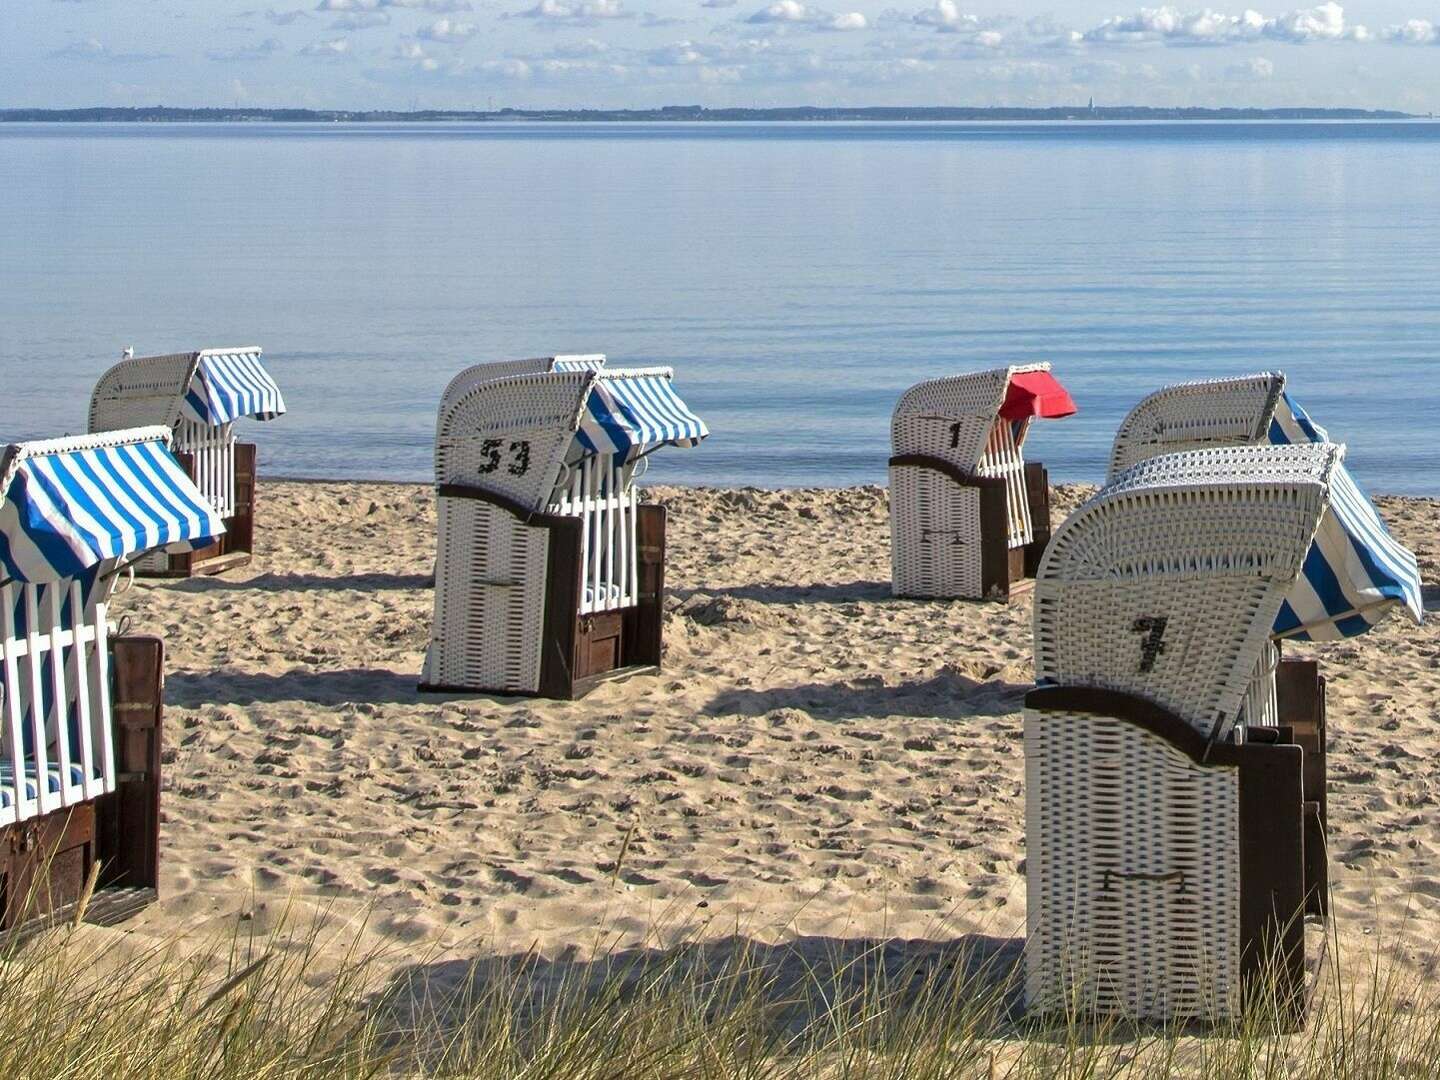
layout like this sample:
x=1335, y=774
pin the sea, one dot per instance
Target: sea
x=798, y=277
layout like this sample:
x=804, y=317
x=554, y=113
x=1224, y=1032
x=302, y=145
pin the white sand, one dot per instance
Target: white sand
x=817, y=762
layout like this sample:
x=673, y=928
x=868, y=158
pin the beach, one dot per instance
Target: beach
x=818, y=763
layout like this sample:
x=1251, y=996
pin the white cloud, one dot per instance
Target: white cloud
x=94, y=49
x=1413, y=32
x=796, y=13
x=360, y=20
x=718, y=3
x=435, y=7
x=416, y=55
x=331, y=49
x=507, y=69
x=284, y=18
x=438, y=7
x=245, y=53
x=1257, y=68
x=577, y=50
x=579, y=12
x=447, y=30
x=947, y=18
x=1170, y=26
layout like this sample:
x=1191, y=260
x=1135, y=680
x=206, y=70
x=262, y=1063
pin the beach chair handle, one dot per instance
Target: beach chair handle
x=1116, y=875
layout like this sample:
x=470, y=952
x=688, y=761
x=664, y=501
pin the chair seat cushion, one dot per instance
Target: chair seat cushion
x=32, y=790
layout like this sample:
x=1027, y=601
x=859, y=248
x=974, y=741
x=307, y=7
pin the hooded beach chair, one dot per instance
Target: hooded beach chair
x=79, y=707
x=549, y=570
x=199, y=396
x=968, y=517
x=1196, y=415
x=1174, y=832
x=503, y=369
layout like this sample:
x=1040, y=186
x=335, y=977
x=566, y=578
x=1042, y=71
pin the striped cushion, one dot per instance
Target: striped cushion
x=7, y=781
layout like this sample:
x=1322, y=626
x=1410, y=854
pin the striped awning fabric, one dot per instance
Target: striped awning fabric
x=231, y=384
x=1355, y=573
x=628, y=414
x=577, y=362
x=69, y=504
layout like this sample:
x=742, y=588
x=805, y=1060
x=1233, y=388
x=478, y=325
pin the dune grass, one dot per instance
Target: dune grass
x=301, y=1002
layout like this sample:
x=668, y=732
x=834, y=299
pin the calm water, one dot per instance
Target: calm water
x=798, y=277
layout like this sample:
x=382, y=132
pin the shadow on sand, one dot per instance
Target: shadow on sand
x=304, y=583
x=847, y=592
x=376, y=686
x=948, y=696
x=798, y=987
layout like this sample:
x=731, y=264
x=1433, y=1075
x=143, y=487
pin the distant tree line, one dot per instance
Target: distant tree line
x=167, y=114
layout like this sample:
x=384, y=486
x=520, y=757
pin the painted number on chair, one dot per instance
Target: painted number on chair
x=519, y=452
x=1153, y=643
x=520, y=457
x=955, y=435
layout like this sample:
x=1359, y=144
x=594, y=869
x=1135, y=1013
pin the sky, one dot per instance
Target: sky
x=356, y=54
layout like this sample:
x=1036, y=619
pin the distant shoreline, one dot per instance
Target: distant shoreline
x=684, y=114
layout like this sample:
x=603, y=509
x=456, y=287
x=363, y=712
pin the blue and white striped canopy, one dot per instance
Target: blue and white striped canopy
x=229, y=385
x=1355, y=572
x=629, y=414
x=73, y=503
x=586, y=362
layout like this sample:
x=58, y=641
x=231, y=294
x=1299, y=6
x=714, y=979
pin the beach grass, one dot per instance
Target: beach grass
x=304, y=1001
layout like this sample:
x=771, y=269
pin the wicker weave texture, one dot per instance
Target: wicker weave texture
x=504, y=369
x=935, y=523
x=934, y=535
x=1197, y=415
x=141, y=391
x=1166, y=583
x=490, y=577
x=951, y=418
x=1132, y=873
x=511, y=435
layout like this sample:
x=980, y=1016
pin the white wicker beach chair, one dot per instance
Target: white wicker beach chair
x=1196, y=415
x=550, y=571
x=968, y=517
x=1174, y=769
x=503, y=369
x=199, y=396
x=80, y=707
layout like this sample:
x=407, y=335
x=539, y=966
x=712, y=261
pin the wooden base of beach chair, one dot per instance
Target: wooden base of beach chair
x=577, y=652
x=949, y=531
x=234, y=549
x=1300, y=698
x=46, y=862
x=1168, y=879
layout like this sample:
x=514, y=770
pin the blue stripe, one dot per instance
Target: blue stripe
x=231, y=385
x=134, y=496
x=1326, y=584
x=1287, y=620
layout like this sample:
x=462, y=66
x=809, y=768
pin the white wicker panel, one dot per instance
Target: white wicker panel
x=934, y=535
x=1104, y=796
x=496, y=417
x=1197, y=415
x=142, y=391
x=490, y=577
x=1167, y=582
x=950, y=418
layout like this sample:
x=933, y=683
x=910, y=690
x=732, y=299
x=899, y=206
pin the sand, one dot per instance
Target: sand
x=817, y=763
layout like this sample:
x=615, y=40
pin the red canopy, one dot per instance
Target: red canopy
x=1036, y=393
